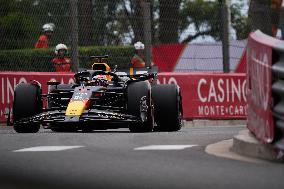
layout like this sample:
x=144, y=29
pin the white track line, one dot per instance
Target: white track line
x=47, y=148
x=165, y=147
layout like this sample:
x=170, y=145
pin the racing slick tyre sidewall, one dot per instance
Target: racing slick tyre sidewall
x=27, y=103
x=167, y=107
x=135, y=92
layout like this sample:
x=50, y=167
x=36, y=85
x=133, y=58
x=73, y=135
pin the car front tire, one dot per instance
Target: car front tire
x=27, y=103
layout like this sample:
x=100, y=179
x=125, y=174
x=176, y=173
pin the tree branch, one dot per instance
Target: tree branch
x=192, y=37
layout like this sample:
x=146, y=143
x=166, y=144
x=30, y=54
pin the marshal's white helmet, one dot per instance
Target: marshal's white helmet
x=48, y=27
x=59, y=47
x=139, y=45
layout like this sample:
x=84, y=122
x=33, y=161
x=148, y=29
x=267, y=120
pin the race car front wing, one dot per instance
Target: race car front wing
x=92, y=115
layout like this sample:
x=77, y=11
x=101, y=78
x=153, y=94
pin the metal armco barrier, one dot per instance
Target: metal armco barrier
x=205, y=96
x=278, y=94
x=265, y=92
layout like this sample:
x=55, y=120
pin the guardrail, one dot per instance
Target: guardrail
x=278, y=94
x=265, y=92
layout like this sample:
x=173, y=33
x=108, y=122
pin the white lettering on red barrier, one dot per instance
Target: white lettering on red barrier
x=213, y=96
x=218, y=92
x=222, y=110
x=260, y=79
x=259, y=61
x=7, y=93
x=8, y=85
x=171, y=80
x=9, y=82
x=222, y=97
x=2, y=91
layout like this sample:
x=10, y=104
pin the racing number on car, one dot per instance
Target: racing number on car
x=80, y=96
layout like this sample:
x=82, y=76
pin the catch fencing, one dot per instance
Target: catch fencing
x=105, y=23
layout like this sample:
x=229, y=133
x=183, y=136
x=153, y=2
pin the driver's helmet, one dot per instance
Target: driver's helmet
x=100, y=80
x=102, y=67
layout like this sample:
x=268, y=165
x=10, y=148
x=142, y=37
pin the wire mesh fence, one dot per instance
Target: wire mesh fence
x=112, y=27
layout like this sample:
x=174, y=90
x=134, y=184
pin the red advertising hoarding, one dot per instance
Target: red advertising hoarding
x=8, y=81
x=211, y=96
x=205, y=96
x=259, y=62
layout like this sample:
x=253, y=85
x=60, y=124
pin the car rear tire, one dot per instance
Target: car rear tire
x=27, y=103
x=167, y=107
x=135, y=92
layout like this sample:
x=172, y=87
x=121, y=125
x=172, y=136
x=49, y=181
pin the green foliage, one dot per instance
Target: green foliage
x=113, y=22
x=240, y=22
x=118, y=55
x=105, y=21
x=16, y=28
x=40, y=59
x=55, y=11
x=17, y=31
x=6, y=7
x=205, y=17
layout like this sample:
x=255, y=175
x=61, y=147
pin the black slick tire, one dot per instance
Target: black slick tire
x=27, y=103
x=135, y=92
x=167, y=107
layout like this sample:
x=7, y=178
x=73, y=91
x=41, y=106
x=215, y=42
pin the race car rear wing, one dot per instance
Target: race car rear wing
x=131, y=72
x=101, y=63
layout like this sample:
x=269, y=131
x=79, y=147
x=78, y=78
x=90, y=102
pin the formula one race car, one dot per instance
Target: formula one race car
x=99, y=99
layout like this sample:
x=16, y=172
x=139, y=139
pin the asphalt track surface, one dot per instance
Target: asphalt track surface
x=112, y=159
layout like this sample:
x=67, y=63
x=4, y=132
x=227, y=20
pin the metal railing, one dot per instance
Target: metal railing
x=278, y=95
